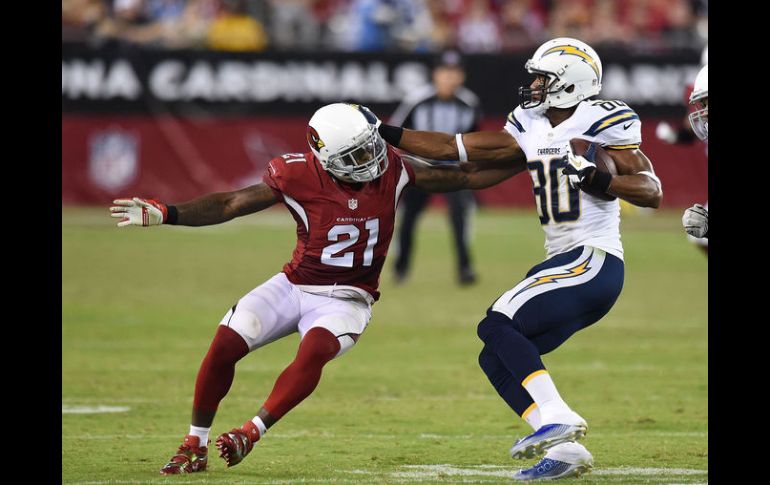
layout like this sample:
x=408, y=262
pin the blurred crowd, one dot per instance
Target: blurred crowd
x=471, y=26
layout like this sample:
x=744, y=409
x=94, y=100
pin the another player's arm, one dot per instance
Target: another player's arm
x=224, y=206
x=636, y=182
x=448, y=178
x=486, y=149
x=204, y=211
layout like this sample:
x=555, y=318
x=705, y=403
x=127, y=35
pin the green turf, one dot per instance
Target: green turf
x=408, y=404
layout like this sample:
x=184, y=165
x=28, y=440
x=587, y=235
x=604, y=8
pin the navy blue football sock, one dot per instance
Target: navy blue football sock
x=518, y=354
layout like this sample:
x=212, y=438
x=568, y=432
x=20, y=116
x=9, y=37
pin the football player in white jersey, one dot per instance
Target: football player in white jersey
x=696, y=218
x=579, y=210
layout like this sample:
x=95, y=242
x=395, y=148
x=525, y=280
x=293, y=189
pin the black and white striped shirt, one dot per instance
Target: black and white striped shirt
x=426, y=112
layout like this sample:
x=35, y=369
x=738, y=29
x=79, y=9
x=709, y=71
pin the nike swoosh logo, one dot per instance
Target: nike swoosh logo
x=625, y=127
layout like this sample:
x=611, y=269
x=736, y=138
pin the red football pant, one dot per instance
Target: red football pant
x=216, y=374
x=301, y=377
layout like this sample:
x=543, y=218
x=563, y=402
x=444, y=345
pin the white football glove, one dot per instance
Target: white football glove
x=139, y=212
x=696, y=221
x=577, y=169
x=665, y=133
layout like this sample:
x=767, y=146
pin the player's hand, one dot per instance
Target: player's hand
x=578, y=170
x=139, y=212
x=665, y=133
x=370, y=117
x=696, y=221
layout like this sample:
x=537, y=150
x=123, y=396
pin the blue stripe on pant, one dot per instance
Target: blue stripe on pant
x=559, y=296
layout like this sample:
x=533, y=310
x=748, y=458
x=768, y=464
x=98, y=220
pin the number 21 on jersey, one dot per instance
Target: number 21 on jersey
x=555, y=200
x=330, y=255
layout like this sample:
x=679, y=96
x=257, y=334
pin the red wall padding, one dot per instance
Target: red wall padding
x=177, y=159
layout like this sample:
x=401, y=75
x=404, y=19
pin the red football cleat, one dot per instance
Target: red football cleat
x=190, y=458
x=235, y=445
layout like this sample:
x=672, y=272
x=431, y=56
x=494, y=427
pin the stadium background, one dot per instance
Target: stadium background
x=151, y=109
x=173, y=99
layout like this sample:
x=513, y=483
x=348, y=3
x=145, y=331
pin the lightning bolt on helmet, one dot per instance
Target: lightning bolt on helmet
x=699, y=119
x=346, y=143
x=573, y=73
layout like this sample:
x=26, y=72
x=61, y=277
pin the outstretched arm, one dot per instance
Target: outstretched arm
x=488, y=149
x=204, y=211
x=448, y=178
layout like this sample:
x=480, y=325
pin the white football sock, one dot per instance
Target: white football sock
x=201, y=433
x=552, y=407
x=532, y=416
x=260, y=425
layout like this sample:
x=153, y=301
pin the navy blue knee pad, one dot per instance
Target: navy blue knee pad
x=492, y=324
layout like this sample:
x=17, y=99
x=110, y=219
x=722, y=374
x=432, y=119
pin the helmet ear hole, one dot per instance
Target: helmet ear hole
x=570, y=88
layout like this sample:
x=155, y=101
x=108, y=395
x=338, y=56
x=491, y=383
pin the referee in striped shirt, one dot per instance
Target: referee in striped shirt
x=449, y=107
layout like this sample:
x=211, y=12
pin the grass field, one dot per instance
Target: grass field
x=408, y=404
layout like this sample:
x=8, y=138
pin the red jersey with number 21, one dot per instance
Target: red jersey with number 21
x=343, y=231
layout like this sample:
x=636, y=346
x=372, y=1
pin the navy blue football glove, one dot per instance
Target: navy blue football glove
x=370, y=117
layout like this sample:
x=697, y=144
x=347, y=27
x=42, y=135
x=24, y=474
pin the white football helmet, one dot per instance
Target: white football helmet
x=573, y=71
x=346, y=143
x=699, y=119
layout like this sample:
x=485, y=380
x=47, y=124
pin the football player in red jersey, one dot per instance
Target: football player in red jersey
x=343, y=196
x=696, y=218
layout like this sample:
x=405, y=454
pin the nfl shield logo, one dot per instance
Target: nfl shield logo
x=113, y=159
x=353, y=204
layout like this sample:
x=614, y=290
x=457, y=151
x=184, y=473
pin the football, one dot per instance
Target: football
x=596, y=154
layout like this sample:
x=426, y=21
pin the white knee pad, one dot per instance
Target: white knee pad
x=247, y=324
x=257, y=330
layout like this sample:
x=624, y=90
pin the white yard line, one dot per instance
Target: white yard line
x=441, y=472
x=648, y=471
x=433, y=473
x=69, y=409
x=427, y=436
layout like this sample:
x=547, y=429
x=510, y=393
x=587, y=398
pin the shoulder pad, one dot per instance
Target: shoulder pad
x=288, y=170
x=514, y=119
x=613, y=124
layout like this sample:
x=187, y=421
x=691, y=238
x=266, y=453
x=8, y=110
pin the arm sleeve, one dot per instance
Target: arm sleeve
x=273, y=178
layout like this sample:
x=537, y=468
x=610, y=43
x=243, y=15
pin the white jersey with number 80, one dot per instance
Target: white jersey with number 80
x=569, y=216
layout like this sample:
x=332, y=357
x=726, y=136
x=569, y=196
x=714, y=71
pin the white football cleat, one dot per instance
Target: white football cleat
x=566, y=460
x=562, y=427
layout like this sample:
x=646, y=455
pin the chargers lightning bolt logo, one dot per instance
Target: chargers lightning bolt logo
x=578, y=270
x=574, y=51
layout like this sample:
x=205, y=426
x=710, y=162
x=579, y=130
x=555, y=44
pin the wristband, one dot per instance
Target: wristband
x=651, y=175
x=391, y=134
x=173, y=214
x=600, y=181
x=461, y=148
